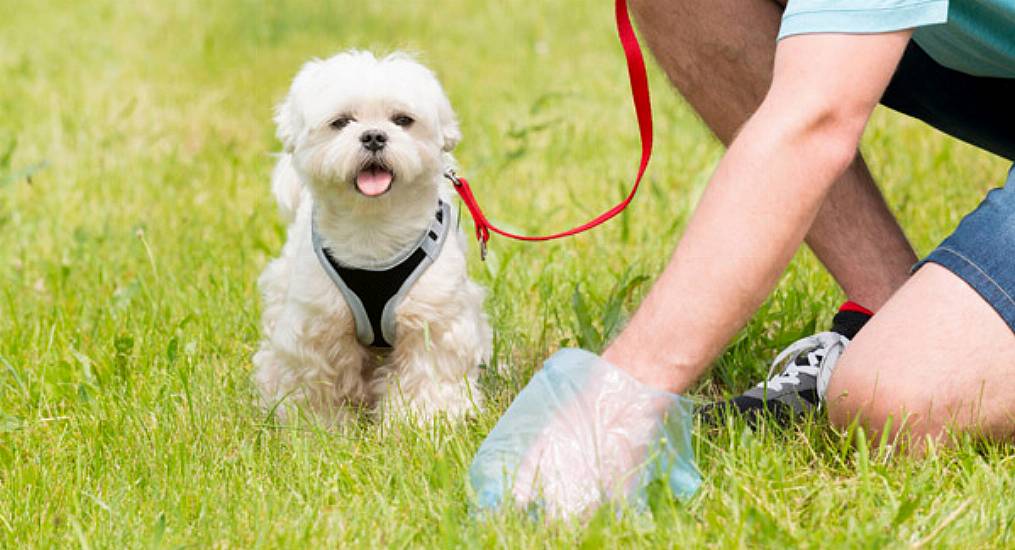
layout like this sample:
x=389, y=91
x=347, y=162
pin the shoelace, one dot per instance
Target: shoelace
x=822, y=349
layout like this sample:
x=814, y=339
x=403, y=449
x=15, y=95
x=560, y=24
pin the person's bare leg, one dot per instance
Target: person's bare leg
x=719, y=54
x=936, y=352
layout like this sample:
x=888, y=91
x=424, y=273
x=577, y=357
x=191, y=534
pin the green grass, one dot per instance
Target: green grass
x=135, y=216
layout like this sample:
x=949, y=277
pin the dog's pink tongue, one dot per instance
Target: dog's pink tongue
x=373, y=181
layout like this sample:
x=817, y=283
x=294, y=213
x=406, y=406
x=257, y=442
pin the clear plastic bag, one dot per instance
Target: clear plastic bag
x=583, y=433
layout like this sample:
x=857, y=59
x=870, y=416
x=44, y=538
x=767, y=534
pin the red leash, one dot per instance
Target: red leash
x=642, y=107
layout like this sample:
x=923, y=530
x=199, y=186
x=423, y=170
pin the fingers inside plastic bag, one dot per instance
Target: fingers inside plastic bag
x=583, y=433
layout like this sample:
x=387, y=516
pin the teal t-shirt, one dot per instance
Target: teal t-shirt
x=973, y=36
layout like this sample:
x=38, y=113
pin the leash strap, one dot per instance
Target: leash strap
x=643, y=109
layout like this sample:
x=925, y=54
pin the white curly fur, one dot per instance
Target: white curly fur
x=309, y=355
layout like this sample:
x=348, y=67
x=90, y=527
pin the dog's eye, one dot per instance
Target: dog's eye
x=341, y=122
x=403, y=120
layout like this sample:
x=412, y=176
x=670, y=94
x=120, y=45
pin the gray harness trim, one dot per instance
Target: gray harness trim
x=424, y=253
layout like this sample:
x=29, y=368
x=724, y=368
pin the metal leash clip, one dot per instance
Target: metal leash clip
x=453, y=177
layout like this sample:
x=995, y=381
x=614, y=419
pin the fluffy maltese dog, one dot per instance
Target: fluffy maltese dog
x=369, y=303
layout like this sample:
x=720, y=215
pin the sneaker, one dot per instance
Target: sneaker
x=804, y=370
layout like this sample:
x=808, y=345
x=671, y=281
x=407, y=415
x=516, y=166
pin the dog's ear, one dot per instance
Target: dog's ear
x=287, y=125
x=450, y=133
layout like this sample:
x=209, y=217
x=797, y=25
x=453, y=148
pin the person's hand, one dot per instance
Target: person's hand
x=583, y=433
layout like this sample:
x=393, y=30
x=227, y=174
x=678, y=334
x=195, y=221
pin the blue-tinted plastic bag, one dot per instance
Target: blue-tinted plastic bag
x=583, y=433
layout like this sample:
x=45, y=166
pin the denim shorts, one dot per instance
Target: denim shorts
x=980, y=111
x=982, y=250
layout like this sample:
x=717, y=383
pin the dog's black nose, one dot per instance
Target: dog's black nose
x=373, y=140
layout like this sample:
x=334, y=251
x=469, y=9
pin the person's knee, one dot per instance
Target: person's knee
x=851, y=393
x=647, y=12
x=866, y=390
x=642, y=7
x=936, y=357
x=673, y=17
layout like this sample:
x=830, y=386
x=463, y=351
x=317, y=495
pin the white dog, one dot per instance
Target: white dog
x=369, y=303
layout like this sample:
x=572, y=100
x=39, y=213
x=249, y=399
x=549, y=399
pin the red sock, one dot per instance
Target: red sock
x=850, y=305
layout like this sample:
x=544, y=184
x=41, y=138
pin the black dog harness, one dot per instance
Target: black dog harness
x=374, y=293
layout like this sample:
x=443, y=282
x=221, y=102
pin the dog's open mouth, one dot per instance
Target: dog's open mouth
x=374, y=179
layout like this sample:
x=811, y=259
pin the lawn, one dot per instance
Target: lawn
x=135, y=151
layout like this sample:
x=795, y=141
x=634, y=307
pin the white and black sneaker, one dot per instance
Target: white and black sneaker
x=806, y=366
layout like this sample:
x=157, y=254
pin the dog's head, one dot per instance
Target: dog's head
x=367, y=126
